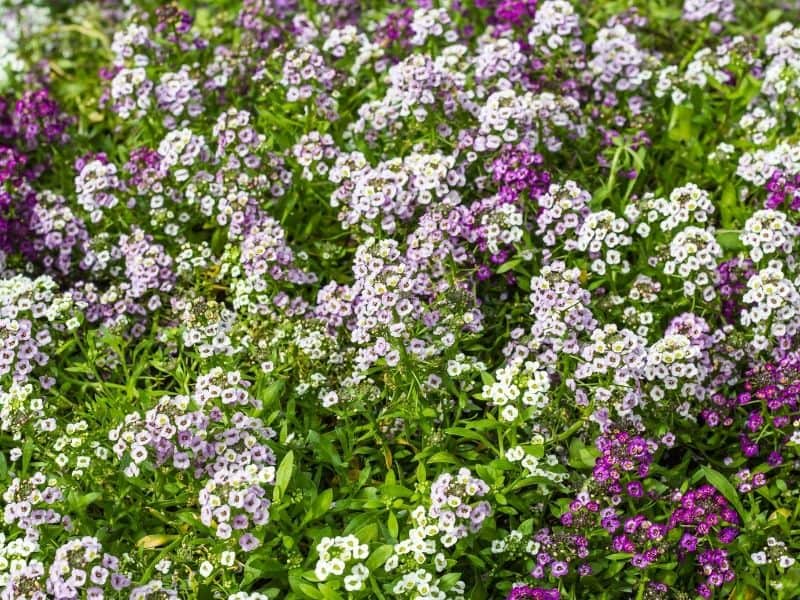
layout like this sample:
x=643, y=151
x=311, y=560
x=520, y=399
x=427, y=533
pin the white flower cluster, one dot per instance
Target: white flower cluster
x=313, y=151
x=496, y=58
x=773, y=553
x=305, y=70
x=697, y=10
x=177, y=92
x=19, y=22
x=95, y=186
x=604, y=235
x=131, y=92
x=706, y=65
x=758, y=166
x=182, y=147
x=780, y=84
x=451, y=516
x=13, y=556
x=452, y=505
x=758, y=123
x=768, y=232
x=612, y=350
x=505, y=113
x=420, y=585
x=127, y=41
x=73, y=441
x=393, y=189
x=336, y=554
x=340, y=39
x=686, y=204
x=555, y=26
x=517, y=542
x=644, y=289
x=640, y=320
x=18, y=406
x=431, y=22
x=562, y=211
x=518, y=386
x=206, y=325
x=413, y=86
x=671, y=361
x=420, y=544
x=693, y=257
x=502, y=226
x=559, y=306
x=773, y=301
x=619, y=64
x=533, y=464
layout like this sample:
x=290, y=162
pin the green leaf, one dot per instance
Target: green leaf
x=320, y=505
x=421, y=474
x=155, y=540
x=379, y=556
x=508, y=266
x=272, y=393
x=27, y=453
x=449, y=580
x=464, y=432
x=724, y=487
x=729, y=239
x=581, y=456
x=328, y=592
x=283, y=476
x=391, y=523
x=681, y=125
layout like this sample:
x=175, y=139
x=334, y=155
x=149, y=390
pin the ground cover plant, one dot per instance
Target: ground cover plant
x=472, y=299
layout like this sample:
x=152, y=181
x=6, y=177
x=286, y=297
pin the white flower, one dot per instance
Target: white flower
x=786, y=561
x=206, y=568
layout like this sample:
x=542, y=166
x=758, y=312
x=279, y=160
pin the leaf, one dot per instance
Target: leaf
x=443, y=457
x=391, y=523
x=320, y=505
x=395, y=490
x=508, y=266
x=729, y=239
x=155, y=540
x=681, y=126
x=379, y=556
x=27, y=453
x=581, y=456
x=422, y=476
x=449, y=580
x=283, y=476
x=81, y=502
x=724, y=487
x=272, y=393
x=730, y=208
x=469, y=434
x=328, y=592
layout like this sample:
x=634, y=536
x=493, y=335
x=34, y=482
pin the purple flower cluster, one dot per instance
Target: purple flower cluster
x=624, y=456
x=783, y=189
x=526, y=592
x=38, y=120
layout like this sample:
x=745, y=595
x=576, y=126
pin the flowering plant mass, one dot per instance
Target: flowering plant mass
x=399, y=300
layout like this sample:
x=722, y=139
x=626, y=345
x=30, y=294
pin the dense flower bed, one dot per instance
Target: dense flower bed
x=471, y=299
